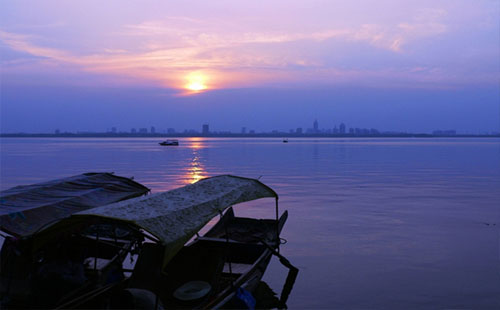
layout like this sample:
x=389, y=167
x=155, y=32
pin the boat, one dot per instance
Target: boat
x=31, y=263
x=169, y=142
x=80, y=259
x=285, y=140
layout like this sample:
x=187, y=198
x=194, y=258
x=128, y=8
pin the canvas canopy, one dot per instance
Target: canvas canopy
x=26, y=209
x=175, y=216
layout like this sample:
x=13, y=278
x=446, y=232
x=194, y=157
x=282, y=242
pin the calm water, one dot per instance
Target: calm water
x=374, y=223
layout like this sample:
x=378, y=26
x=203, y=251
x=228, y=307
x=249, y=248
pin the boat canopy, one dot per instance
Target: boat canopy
x=175, y=216
x=26, y=209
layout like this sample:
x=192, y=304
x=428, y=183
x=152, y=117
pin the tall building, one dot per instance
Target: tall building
x=153, y=129
x=243, y=130
x=299, y=130
x=205, y=129
x=315, y=126
x=342, y=129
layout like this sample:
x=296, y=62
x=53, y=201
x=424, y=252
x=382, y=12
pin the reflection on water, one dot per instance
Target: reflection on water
x=373, y=223
x=195, y=171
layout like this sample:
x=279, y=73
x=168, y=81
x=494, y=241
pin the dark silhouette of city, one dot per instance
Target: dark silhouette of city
x=340, y=130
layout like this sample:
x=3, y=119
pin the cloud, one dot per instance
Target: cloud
x=212, y=34
x=165, y=51
x=22, y=43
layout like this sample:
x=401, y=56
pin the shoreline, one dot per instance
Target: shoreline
x=236, y=135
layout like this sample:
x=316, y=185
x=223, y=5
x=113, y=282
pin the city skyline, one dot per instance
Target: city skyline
x=337, y=129
x=340, y=129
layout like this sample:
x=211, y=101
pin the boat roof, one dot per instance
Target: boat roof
x=25, y=210
x=175, y=216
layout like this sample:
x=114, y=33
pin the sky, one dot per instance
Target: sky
x=413, y=66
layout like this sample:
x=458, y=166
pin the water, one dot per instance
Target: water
x=374, y=223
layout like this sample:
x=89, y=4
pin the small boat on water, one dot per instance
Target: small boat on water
x=285, y=140
x=69, y=241
x=169, y=142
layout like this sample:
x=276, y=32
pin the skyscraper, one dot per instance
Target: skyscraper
x=342, y=129
x=205, y=130
x=315, y=126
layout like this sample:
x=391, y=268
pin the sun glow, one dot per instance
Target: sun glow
x=196, y=82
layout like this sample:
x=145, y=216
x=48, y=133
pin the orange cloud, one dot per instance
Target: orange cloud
x=171, y=49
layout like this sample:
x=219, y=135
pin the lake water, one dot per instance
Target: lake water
x=373, y=223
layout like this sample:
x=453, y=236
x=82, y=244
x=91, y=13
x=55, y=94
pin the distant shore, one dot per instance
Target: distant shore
x=237, y=135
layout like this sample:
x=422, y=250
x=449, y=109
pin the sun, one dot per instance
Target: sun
x=196, y=82
x=196, y=86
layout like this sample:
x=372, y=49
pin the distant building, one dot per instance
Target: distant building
x=351, y=131
x=113, y=129
x=243, y=130
x=444, y=133
x=143, y=130
x=170, y=130
x=153, y=129
x=342, y=129
x=252, y=131
x=57, y=131
x=315, y=126
x=299, y=130
x=335, y=130
x=133, y=130
x=205, y=129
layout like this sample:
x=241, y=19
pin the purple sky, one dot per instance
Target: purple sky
x=392, y=65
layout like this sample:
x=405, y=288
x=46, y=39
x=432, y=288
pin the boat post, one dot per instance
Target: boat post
x=277, y=226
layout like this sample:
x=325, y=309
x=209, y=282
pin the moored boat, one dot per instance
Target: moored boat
x=38, y=270
x=212, y=271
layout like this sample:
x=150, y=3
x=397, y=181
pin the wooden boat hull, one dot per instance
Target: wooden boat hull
x=225, y=264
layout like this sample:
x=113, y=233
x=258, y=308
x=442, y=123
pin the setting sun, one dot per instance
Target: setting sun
x=196, y=86
x=196, y=82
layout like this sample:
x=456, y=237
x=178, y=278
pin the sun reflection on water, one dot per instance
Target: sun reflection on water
x=196, y=170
